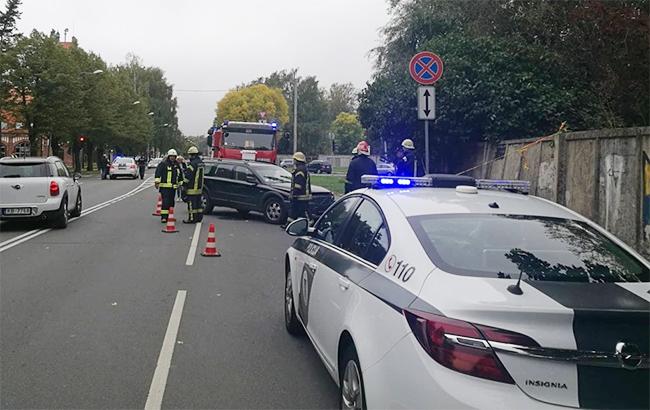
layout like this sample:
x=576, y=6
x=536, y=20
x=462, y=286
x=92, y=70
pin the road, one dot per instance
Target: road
x=88, y=313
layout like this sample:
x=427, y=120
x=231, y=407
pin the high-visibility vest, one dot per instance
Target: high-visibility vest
x=194, y=178
x=167, y=176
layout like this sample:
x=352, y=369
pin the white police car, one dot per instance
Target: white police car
x=411, y=296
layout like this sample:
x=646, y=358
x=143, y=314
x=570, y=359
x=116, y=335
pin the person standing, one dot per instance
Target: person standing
x=167, y=176
x=300, y=187
x=142, y=165
x=406, y=163
x=193, y=185
x=103, y=165
x=180, y=192
x=360, y=165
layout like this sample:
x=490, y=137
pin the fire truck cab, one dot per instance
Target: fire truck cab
x=253, y=141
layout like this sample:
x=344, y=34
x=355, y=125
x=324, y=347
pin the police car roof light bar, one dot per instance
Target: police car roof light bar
x=389, y=182
x=510, y=185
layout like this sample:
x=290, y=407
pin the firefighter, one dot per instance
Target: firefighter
x=300, y=187
x=406, y=163
x=168, y=175
x=360, y=165
x=180, y=192
x=193, y=186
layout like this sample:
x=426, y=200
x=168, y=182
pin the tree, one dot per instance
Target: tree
x=8, y=19
x=341, y=98
x=312, y=118
x=347, y=132
x=513, y=68
x=246, y=104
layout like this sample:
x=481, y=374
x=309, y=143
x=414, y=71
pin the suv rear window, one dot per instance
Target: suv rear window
x=544, y=249
x=25, y=170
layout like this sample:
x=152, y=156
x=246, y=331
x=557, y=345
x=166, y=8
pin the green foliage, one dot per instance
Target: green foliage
x=246, y=104
x=316, y=109
x=8, y=19
x=347, y=132
x=62, y=93
x=513, y=69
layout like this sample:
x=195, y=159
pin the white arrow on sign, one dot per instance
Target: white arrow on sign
x=426, y=103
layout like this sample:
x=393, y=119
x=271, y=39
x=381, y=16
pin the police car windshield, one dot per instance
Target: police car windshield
x=248, y=140
x=544, y=249
x=272, y=174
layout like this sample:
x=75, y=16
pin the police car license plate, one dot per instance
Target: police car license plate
x=17, y=211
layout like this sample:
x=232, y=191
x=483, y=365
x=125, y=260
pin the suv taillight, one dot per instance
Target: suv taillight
x=54, y=188
x=132, y=166
x=462, y=346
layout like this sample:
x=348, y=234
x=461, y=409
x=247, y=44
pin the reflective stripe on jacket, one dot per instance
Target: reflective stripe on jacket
x=194, y=177
x=167, y=175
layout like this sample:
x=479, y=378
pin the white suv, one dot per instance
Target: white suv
x=38, y=189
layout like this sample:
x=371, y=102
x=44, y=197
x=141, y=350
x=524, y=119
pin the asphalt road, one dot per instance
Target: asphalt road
x=85, y=313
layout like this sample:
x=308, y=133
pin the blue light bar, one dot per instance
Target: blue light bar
x=404, y=182
x=386, y=181
x=274, y=124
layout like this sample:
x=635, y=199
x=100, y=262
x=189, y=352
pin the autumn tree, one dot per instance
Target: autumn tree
x=246, y=104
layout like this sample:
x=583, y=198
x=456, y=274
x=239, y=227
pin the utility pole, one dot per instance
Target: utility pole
x=295, y=112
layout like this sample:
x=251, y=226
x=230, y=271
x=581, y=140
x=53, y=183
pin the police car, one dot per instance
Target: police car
x=449, y=292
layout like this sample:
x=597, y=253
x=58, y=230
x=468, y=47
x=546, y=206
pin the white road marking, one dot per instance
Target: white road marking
x=159, y=381
x=17, y=240
x=195, y=241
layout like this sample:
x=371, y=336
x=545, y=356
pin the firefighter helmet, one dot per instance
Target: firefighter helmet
x=172, y=153
x=299, y=156
x=363, y=148
x=193, y=150
x=408, y=144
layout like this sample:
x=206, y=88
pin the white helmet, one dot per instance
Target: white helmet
x=172, y=153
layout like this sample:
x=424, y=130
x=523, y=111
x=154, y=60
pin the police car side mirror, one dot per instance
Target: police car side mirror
x=299, y=227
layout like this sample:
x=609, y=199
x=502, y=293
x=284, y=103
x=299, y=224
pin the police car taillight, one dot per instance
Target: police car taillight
x=462, y=346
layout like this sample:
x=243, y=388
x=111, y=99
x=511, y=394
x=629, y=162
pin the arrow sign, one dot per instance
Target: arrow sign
x=426, y=103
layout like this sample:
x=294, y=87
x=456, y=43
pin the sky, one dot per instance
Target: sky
x=219, y=44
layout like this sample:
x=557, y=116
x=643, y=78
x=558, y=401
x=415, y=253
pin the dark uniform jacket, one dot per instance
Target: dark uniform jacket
x=407, y=165
x=300, y=183
x=168, y=174
x=359, y=166
x=193, y=181
x=142, y=162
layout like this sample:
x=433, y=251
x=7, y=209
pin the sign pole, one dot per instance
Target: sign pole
x=426, y=146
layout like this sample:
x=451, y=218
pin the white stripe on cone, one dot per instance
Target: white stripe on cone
x=171, y=225
x=211, y=244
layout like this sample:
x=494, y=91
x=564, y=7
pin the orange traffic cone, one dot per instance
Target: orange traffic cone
x=158, y=206
x=211, y=244
x=171, y=222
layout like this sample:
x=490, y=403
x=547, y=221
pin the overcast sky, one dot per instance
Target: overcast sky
x=218, y=44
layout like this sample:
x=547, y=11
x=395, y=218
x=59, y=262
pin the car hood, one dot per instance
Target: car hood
x=286, y=186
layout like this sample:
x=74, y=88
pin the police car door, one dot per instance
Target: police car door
x=322, y=290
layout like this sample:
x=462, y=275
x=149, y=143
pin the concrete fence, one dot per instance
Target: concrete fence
x=601, y=174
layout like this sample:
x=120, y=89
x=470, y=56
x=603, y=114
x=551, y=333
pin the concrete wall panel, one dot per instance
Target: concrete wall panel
x=580, y=176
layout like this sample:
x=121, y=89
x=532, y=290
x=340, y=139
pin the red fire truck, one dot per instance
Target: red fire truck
x=254, y=141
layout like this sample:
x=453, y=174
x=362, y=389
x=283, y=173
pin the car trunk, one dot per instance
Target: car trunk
x=577, y=327
x=24, y=190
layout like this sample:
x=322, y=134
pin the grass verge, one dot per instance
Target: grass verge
x=335, y=184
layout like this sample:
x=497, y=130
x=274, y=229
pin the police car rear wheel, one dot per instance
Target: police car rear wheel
x=352, y=394
x=290, y=320
x=273, y=211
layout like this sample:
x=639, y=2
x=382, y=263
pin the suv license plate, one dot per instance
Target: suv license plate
x=17, y=211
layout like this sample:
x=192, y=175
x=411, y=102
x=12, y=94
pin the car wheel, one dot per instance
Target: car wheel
x=274, y=210
x=351, y=389
x=290, y=319
x=78, y=206
x=208, y=205
x=61, y=220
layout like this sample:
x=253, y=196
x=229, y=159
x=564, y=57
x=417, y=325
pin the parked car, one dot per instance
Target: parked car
x=384, y=168
x=319, y=167
x=38, y=189
x=123, y=167
x=154, y=162
x=256, y=186
x=286, y=163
